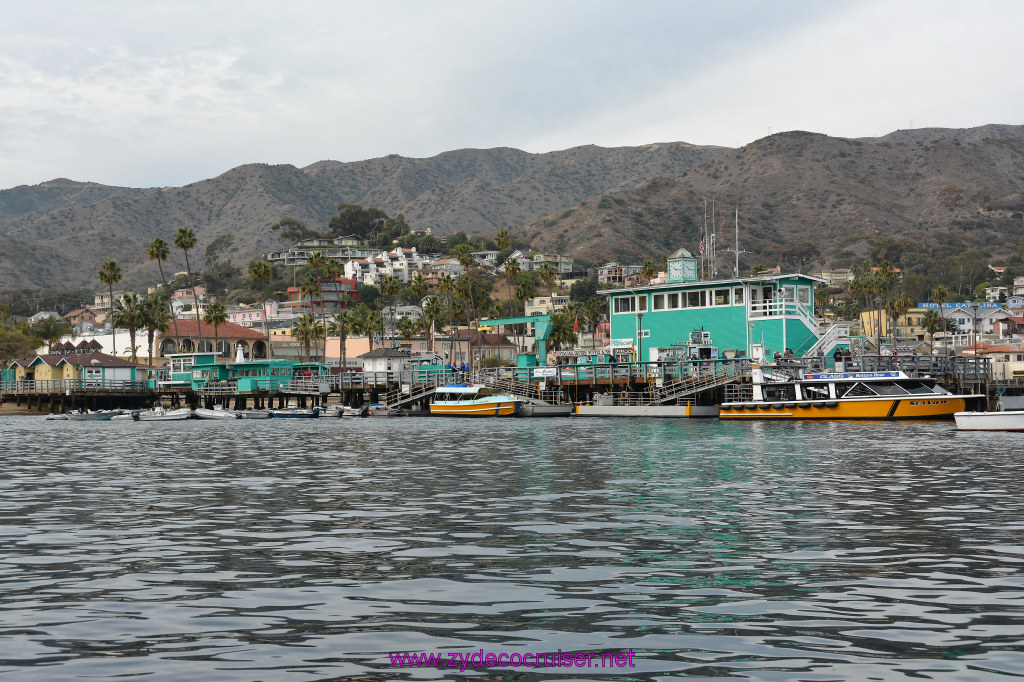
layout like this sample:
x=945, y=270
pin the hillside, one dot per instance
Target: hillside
x=801, y=196
x=804, y=196
x=56, y=234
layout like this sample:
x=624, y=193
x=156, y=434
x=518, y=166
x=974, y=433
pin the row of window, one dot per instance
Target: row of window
x=706, y=298
x=679, y=300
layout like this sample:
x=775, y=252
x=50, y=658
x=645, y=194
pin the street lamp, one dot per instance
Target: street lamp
x=974, y=327
x=639, y=343
x=878, y=329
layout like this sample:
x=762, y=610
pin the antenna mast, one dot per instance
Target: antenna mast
x=737, y=250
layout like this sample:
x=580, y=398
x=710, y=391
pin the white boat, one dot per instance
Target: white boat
x=1009, y=420
x=159, y=414
x=296, y=413
x=56, y=417
x=100, y=415
x=254, y=414
x=473, y=400
x=346, y=411
x=216, y=413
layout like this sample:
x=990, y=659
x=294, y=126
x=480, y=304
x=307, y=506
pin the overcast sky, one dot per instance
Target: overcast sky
x=142, y=94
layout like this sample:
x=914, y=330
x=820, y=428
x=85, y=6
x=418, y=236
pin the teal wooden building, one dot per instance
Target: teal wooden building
x=194, y=371
x=723, y=317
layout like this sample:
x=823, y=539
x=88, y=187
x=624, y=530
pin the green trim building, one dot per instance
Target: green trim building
x=724, y=316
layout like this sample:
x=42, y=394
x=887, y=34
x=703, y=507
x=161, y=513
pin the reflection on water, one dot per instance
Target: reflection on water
x=310, y=550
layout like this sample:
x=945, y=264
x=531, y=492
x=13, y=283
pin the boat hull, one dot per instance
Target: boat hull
x=923, y=407
x=203, y=413
x=1010, y=420
x=497, y=408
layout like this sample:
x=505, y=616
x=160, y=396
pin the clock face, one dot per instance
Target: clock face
x=675, y=269
x=690, y=269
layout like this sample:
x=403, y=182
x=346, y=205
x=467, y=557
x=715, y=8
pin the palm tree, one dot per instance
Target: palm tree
x=341, y=325
x=524, y=292
x=433, y=316
x=512, y=271
x=110, y=274
x=408, y=328
x=502, y=240
x=940, y=295
x=446, y=285
x=648, y=271
x=562, y=333
x=216, y=315
x=155, y=318
x=931, y=322
x=185, y=239
x=547, y=277
x=365, y=321
x=158, y=250
x=389, y=288
x=261, y=272
x=311, y=287
x=305, y=331
x=128, y=313
x=316, y=262
x=898, y=308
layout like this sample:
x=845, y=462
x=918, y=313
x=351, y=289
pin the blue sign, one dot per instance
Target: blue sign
x=968, y=306
x=853, y=375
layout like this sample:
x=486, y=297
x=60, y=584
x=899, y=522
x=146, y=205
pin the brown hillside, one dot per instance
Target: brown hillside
x=57, y=234
x=838, y=195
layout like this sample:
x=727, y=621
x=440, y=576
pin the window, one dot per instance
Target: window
x=642, y=303
x=721, y=297
x=696, y=299
x=659, y=302
x=673, y=301
x=624, y=304
x=737, y=296
x=804, y=295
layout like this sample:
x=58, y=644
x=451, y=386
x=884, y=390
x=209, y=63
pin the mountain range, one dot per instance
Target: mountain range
x=799, y=196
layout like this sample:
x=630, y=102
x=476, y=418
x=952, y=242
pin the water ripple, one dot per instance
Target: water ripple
x=268, y=550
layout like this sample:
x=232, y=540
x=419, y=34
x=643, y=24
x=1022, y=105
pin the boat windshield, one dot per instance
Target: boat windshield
x=777, y=392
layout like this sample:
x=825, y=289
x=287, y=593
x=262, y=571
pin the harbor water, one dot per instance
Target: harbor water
x=320, y=549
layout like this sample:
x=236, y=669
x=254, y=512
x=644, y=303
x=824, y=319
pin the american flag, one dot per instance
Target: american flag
x=700, y=249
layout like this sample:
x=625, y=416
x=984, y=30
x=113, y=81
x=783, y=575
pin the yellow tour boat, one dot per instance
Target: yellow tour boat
x=472, y=400
x=848, y=395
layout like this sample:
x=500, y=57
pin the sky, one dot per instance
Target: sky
x=163, y=93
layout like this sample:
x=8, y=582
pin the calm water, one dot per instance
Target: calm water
x=307, y=550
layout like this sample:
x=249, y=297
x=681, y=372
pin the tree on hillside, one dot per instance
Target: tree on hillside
x=353, y=219
x=293, y=232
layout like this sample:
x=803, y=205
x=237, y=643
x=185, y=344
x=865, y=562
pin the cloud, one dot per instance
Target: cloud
x=158, y=93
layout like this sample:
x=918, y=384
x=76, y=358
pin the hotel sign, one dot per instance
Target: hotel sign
x=968, y=306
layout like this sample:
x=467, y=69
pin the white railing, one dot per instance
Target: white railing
x=73, y=386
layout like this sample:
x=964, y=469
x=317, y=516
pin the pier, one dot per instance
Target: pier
x=702, y=382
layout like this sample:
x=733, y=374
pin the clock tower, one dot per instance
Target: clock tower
x=682, y=267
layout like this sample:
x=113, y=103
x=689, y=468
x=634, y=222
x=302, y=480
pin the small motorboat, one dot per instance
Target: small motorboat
x=346, y=411
x=381, y=410
x=99, y=415
x=218, y=412
x=296, y=413
x=1008, y=420
x=254, y=414
x=158, y=414
x=56, y=417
